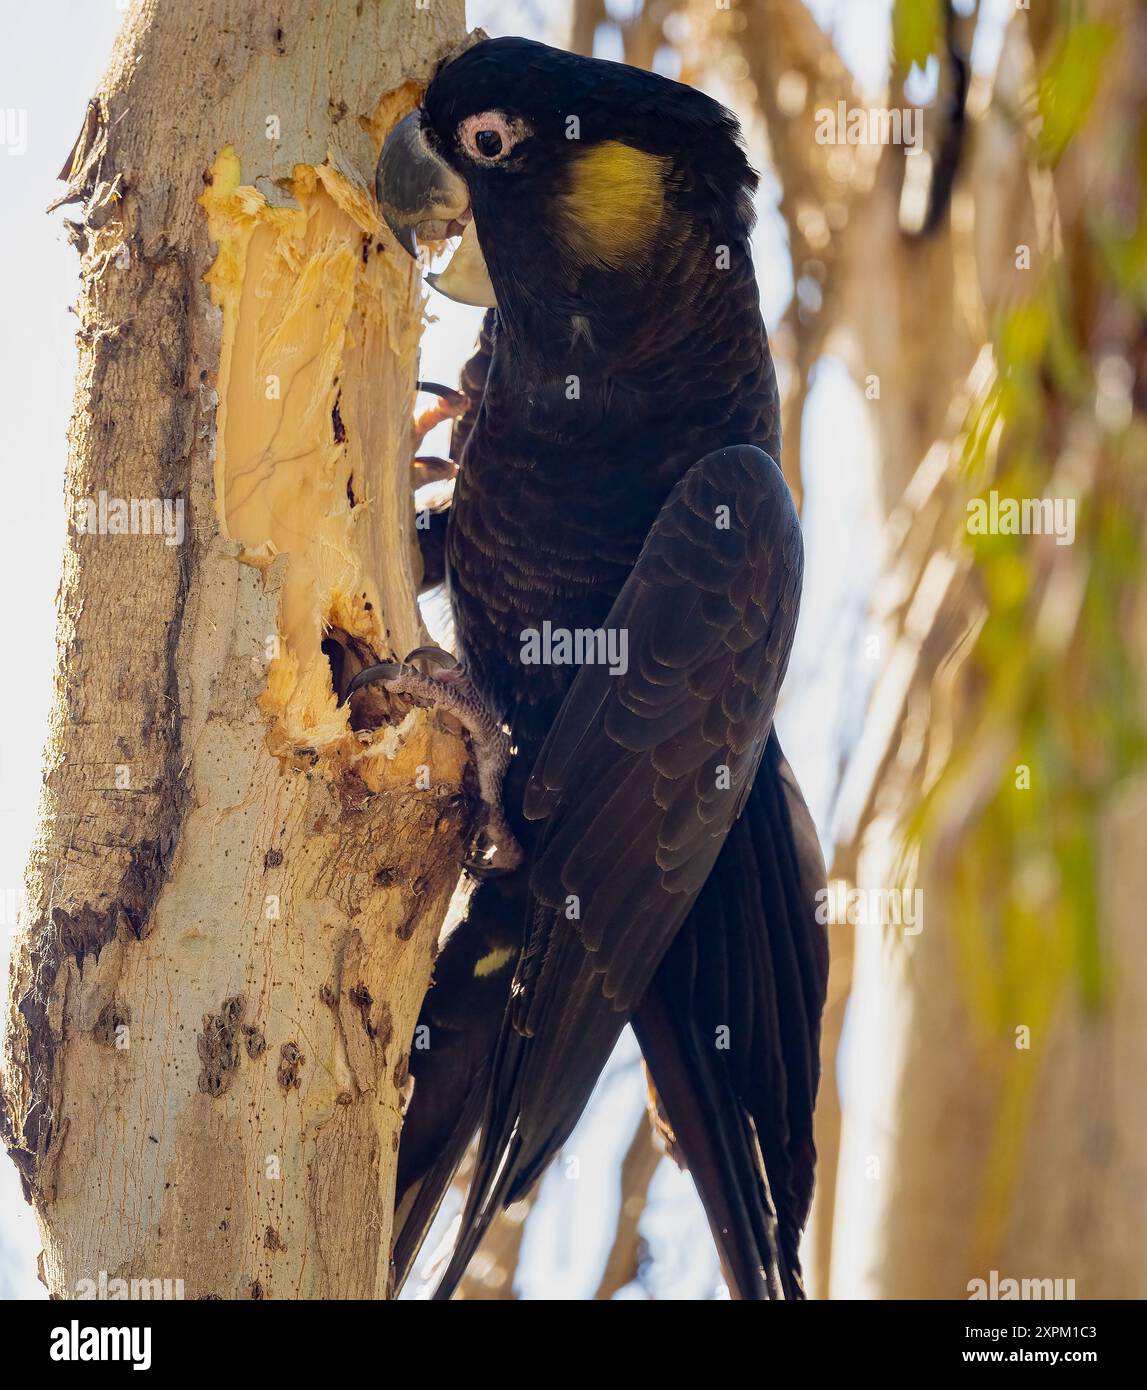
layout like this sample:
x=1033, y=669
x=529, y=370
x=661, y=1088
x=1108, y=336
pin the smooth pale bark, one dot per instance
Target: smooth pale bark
x=233, y=897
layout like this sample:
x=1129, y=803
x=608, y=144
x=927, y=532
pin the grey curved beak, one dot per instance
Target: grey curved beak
x=418, y=193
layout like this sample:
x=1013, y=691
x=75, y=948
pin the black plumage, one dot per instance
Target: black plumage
x=619, y=473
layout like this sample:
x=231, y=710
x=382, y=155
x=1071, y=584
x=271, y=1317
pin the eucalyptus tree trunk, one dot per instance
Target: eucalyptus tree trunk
x=234, y=895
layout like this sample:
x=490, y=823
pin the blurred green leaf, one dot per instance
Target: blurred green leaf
x=917, y=31
x=1024, y=333
x=1069, y=83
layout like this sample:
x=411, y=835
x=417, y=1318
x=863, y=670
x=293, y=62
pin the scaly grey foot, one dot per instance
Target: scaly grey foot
x=496, y=849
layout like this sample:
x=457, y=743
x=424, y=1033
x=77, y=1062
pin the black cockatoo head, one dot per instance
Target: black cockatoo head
x=571, y=179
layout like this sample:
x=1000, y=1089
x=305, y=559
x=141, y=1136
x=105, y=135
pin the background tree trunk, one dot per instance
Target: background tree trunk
x=997, y=1122
x=234, y=896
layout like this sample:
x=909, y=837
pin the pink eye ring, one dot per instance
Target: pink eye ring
x=489, y=137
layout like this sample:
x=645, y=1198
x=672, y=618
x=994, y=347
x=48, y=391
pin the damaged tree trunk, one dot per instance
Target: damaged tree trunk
x=235, y=892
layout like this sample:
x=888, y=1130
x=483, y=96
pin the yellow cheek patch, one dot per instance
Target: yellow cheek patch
x=614, y=203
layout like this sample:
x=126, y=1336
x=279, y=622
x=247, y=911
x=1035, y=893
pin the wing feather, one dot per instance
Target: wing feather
x=639, y=781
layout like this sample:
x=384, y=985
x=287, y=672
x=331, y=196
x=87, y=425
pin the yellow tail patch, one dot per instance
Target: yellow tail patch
x=614, y=203
x=493, y=961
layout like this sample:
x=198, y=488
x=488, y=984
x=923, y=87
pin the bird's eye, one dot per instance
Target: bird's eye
x=489, y=136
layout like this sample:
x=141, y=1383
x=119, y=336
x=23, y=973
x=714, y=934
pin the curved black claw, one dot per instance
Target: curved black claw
x=429, y=469
x=481, y=869
x=489, y=858
x=434, y=656
x=382, y=671
x=444, y=393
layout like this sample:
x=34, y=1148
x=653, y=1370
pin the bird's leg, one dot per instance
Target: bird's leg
x=496, y=849
x=452, y=405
